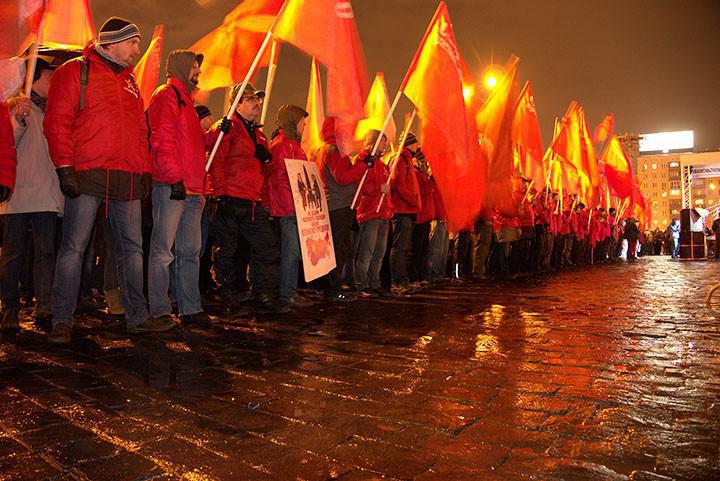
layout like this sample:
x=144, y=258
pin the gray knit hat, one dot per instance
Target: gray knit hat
x=116, y=29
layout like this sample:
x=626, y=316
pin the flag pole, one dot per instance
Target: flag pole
x=32, y=60
x=388, y=118
x=394, y=161
x=248, y=76
x=527, y=193
x=272, y=68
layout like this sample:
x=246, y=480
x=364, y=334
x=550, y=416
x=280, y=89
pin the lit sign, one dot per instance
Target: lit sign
x=667, y=141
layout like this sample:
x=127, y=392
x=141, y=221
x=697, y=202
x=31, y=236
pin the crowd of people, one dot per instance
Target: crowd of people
x=96, y=185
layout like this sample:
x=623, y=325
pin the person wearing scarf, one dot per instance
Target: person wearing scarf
x=286, y=145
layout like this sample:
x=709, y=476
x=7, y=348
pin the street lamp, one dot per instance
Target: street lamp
x=490, y=81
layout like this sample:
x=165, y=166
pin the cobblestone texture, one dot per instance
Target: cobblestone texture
x=610, y=373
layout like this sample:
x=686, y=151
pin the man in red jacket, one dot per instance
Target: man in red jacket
x=97, y=134
x=406, y=201
x=340, y=178
x=8, y=161
x=178, y=156
x=374, y=225
x=237, y=179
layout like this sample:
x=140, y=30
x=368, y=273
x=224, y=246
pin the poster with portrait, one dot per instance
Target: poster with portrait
x=316, y=243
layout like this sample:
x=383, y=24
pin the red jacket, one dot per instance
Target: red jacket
x=235, y=170
x=177, y=140
x=440, y=212
x=370, y=193
x=405, y=189
x=281, y=197
x=341, y=168
x=426, y=187
x=8, y=161
x=110, y=132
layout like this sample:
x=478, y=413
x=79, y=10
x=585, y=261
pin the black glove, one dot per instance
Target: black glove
x=370, y=160
x=262, y=153
x=177, y=191
x=5, y=192
x=225, y=125
x=146, y=183
x=69, y=184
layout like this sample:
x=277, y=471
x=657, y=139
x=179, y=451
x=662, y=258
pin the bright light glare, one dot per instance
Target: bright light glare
x=490, y=81
x=467, y=91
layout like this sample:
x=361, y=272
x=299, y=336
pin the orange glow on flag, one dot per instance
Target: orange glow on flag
x=526, y=136
x=377, y=107
x=604, y=129
x=230, y=49
x=617, y=168
x=325, y=29
x=448, y=136
x=495, y=122
x=312, y=137
x=67, y=22
x=147, y=70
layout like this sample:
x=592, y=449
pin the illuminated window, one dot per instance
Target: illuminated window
x=675, y=192
x=674, y=211
x=664, y=194
x=674, y=164
x=644, y=166
x=654, y=166
x=699, y=201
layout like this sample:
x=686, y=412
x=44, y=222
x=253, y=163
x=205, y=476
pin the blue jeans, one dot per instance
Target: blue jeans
x=437, y=259
x=290, y=256
x=15, y=238
x=371, y=251
x=77, y=226
x=175, y=222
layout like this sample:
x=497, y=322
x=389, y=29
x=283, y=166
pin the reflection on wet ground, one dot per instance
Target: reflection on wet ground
x=610, y=373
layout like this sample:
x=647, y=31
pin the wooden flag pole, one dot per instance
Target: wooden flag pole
x=393, y=163
x=248, y=76
x=527, y=193
x=272, y=68
x=32, y=60
x=388, y=118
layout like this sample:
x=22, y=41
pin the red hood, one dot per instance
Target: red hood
x=328, y=131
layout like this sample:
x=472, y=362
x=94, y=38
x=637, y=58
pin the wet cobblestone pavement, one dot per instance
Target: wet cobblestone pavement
x=610, y=373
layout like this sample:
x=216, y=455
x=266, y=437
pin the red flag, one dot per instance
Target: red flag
x=312, y=137
x=448, y=135
x=526, y=136
x=147, y=69
x=230, y=49
x=18, y=20
x=617, y=168
x=604, y=129
x=325, y=29
x=495, y=122
x=67, y=22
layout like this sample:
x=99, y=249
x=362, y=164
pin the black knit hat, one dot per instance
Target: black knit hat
x=116, y=29
x=202, y=111
x=411, y=139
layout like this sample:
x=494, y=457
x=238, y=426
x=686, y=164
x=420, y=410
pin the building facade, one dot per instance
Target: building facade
x=661, y=180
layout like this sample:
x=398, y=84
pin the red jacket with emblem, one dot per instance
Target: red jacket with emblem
x=177, y=139
x=8, y=160
x=235, y=170
x=405, y=189
x=371, y=191
x=281, y=197
x=110, y=132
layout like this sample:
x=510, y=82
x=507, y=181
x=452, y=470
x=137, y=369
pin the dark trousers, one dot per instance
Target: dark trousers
x=15, y=238
x=341, y=222
x=241, y=218
x=403, y=225
x=420, y=251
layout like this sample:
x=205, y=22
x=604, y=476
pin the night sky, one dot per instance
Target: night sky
x=654, y=64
